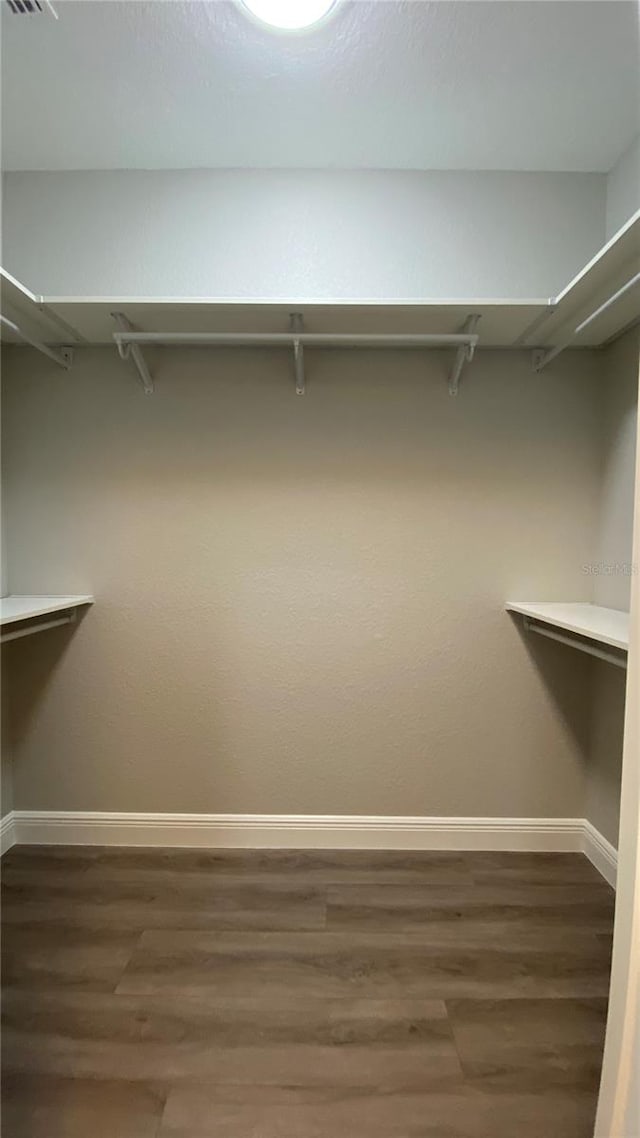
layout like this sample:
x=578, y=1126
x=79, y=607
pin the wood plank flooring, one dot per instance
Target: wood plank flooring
x=284, y=994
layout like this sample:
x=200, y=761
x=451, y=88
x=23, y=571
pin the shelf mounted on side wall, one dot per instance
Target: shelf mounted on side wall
x=582, y=626
x=25, y=318
x=63, y=357
x=541, y=357
x=24, y=615
x=597, y=306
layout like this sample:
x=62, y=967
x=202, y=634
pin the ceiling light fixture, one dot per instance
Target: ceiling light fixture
x=290, y=15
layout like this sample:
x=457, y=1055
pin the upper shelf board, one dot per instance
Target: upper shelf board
x=501, y=321
x=536, y=323
x=16, y=608
x=608, y=626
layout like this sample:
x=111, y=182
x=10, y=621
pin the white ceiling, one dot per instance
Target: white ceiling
x=456, y=84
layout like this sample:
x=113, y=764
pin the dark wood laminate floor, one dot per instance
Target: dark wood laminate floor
x=197, y=994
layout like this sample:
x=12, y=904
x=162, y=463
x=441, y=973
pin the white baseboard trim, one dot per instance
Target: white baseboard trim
x=7, y=832
x=290, y=831
x=309, y=831
x=600, y=853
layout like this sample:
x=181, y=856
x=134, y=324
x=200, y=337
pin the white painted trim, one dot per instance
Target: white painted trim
x=292, y=831
x=600, y=853
x=619, y=1101
x=309, y=831
x=7, y=832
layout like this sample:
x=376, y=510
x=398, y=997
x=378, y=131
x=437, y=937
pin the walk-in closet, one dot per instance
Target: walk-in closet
x=320, y=672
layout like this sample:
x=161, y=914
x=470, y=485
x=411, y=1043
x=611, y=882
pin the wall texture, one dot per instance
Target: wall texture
x=623, y=188
x=6, y=788
x=299, y=601
x=614, y=564
x=314, y=234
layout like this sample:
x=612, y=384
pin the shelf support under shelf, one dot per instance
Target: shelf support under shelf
x=464, y=354
x=297, y=325
x=582, y=646
x=61, y=356
x=126, y=350
x=542, y=357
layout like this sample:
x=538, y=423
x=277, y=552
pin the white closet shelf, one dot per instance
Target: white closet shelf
x=600, y=303
x=603, y=625
x=16, y=609
x=502, y=321
x=31, y=314
x=595, y=307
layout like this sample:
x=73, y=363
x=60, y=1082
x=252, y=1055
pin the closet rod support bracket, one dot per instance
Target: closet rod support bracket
x=464, y=353
x=297, y=325
x=132, y=351
x=538, y=360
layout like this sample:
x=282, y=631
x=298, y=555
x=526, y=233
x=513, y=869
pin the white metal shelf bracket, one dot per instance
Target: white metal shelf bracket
x=541, y=358
x=464, y=353
x=61, y=356
x=582, y=645
x=126, y=350
x=297, y=325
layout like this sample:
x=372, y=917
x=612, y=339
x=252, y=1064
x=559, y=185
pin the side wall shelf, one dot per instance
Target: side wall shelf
x=597, y=625
x=22, y=616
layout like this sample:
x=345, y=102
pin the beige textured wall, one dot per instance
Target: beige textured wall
x=619, y=406
x=300, y=600
x=619, y=401
x=6, y=787
x=604, y=771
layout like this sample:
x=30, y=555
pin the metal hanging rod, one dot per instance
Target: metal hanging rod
x=41, y=626
x=542, y=358
x=130, y=343
x=305, y=339
x=61, y=356
x=581, y=645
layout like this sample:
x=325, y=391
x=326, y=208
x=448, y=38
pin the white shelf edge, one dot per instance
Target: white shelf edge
x=22, y=289
x=604, y=625
x=28, y=607
x=635, y=217
x=324, y=302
